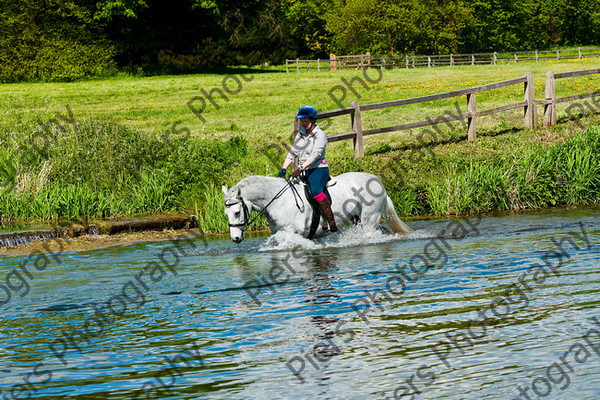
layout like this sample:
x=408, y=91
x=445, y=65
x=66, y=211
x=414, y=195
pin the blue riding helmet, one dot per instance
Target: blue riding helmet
x=307, y=112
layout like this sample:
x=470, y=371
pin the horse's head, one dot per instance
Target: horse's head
x=237, y=212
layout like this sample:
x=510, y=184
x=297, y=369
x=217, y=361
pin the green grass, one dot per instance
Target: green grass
x=265, y=105
x=116, y=162
x=564, y=173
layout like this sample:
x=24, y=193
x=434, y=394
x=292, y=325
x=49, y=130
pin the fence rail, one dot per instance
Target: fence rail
x=362, y=61
x=551, y=101
x=529, y=106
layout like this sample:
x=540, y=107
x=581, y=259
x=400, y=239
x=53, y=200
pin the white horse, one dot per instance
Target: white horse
x=356, y=197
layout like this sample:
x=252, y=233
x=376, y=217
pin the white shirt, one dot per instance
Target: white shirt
x=310, y=147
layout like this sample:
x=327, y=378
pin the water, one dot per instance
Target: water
x=233, y=346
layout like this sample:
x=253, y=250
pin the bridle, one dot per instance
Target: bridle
x=247, y=220
x=245, y=223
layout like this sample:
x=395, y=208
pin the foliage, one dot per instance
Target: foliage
x=50, y=40
x=397, y=27
x=68, y=39
x=109, y=9
x=103, y=169
x=121, y=165
x=567, y=173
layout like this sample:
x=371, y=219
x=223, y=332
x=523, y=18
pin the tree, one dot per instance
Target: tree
x=51, y=40
x=500, y=25
x=307, y=21
x=378, y=26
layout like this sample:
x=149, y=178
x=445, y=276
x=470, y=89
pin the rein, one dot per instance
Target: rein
x=247, y=221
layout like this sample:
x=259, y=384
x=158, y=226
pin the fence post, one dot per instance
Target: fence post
x=383, y=63
x=428, y=62
x=472, y=120
x=308, y=66
x=332, y=62
x=297, y=65
x=319, y=65
x=579, y=52
x=359, y=148
x=451, y=60
x=516, y=58
x=557, y=55
x=537, y=56
x=472, y=59
x=550, y=108
x=406, y=61
x=495, y=58
x=530, y=112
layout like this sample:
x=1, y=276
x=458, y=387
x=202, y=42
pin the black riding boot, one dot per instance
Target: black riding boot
x=326, y=210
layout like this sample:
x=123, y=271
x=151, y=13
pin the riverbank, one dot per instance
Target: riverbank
x=126, y=147
x=93, y=241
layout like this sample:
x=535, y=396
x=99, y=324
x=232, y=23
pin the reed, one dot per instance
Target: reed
x=210, y=214
x=116, y=162
x=566, y=173
x=102, y=169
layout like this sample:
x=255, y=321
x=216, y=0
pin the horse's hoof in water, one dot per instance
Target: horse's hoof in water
x=385, y=230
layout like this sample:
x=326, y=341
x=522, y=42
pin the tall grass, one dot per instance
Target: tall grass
x=118, y=164
x=566, y=173
x=102, y=169
x=210, y=214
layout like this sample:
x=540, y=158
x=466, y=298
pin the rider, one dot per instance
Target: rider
x=309, y=147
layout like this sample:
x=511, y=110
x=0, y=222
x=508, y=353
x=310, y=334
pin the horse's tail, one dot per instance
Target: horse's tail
x=393, y=220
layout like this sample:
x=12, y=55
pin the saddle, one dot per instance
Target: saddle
x=317, y=214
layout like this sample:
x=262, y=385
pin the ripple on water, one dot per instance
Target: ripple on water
x=313, y=317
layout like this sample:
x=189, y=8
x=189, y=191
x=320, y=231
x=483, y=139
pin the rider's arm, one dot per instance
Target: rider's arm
x=287, y=162
x=293, y=153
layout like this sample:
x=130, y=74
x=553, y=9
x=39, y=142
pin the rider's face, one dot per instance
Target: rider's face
x=307, y=123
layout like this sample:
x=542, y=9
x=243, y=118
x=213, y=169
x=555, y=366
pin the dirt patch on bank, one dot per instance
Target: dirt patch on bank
x=93, y=242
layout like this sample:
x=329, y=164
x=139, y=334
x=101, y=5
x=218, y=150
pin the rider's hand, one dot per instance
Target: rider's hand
x=296, y=173
x=281, y=173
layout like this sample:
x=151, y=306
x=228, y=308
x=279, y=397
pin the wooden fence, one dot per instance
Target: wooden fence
x=550, y=93
x=528, y=104
x=362, y=61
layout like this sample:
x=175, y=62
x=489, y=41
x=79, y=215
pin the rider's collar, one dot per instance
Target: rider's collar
x=302, y=131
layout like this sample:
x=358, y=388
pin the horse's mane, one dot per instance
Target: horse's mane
x=250, y=180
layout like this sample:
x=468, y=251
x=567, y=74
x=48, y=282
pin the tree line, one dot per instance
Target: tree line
x=67, y=39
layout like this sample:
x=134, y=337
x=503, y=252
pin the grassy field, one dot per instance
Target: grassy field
x=119, y=161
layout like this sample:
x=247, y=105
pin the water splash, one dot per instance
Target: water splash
x=354, y=236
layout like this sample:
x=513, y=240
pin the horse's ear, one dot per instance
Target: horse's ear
x=238, y=193
x=224, y=189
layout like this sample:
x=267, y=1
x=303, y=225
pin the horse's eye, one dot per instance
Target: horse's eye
x=237, y=214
